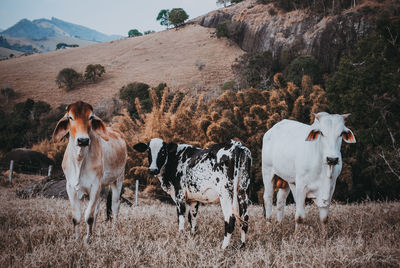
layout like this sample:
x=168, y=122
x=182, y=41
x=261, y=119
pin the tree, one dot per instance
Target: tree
x=367, y=86
x=163, y=17
x=177, y=17
x=254, y=70
x=149, y=32
x=223, y=2
x=134, y=32
x=68, y=77
x=303, y=65
x=93, y=71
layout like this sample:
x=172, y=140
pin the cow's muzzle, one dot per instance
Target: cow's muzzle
x=83, y=142
x=332, y=160
x=153, y=171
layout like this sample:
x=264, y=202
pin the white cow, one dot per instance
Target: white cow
x=95, y=157
x=308, y=158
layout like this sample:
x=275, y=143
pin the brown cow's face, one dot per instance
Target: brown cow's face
x=80, y=115
x=79, y=121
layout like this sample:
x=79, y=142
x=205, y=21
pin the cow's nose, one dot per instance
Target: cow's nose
x=83, y=141
x=153, y=171
x=332, y=160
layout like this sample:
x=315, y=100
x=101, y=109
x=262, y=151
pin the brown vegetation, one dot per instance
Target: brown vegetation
x=245, y=115
x=38, y=233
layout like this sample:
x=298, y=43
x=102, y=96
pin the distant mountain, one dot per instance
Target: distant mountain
x=42, y=29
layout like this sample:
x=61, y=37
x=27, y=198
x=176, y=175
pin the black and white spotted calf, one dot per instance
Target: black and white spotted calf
x=193, y=175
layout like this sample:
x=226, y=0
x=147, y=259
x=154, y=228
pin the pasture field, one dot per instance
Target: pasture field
x=38, y=233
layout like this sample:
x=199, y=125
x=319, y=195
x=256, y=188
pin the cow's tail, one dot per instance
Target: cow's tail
x=242, y=173
x=108, y=203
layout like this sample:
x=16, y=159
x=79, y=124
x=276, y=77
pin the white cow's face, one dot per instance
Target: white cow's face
x=329, y=130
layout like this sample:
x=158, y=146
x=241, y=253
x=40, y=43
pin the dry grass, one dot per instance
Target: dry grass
x=38, y=233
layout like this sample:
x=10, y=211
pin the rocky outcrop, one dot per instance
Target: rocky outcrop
x=300, y=32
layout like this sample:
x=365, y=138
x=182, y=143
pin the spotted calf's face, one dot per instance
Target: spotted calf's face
x=330, y=131
x=79, y=121
x=158, y=152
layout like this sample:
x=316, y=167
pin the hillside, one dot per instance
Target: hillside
x=46, y=44
x=325, y=34
x=169, y=56
x=44, y=28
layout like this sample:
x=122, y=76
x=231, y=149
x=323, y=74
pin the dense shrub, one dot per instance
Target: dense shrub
x=255, y=70
x=134, y=32
x=68, y=77
x=8, y=93
x=137, y=91
x=230, y=29
x=93, y=71
x=26, y=124
x=177, y=16
x=303, y=65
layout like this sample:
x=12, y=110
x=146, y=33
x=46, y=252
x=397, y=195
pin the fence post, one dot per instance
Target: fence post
x=136, y=193
x=11, y=171
x=49, y=172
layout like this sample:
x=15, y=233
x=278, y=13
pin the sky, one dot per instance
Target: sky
x=106, y=16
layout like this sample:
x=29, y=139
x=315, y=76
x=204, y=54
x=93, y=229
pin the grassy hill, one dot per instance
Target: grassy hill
x=171, y=56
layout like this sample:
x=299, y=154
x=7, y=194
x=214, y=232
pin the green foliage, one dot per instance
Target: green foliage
x=318, y=6
x=255, y=69
x=367, y=85
x=68, y=77
x=64, y=45
x=163, y=17
x=303, y=65
x=229, y=85
x=229, y=29
x=149, y=32
x=177, y=16
x=136, y=90
x=93, y=71
x=25, y=125
x=134, y=32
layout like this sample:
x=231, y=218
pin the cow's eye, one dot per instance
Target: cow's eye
x=91, y=117
x=70, y=117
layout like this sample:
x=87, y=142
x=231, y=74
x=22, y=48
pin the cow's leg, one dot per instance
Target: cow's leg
x=243, y=211
x=89, y=213
x=181, y=209
x=116, y=192
x=323, y=216
x=96, y=210
x=268, y=177
x=76, y=208
x=281, y=202
x=229, y=218
x=300, y=204
x=194, y=207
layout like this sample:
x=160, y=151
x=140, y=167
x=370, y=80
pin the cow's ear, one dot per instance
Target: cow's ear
x=140, y=147
x=313, y=135
x=345, y=116
x=61, y=129
x=172, y=147
x=99, y=127
x=348, y=136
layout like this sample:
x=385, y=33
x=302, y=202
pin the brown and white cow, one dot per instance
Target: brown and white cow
x=95, y=157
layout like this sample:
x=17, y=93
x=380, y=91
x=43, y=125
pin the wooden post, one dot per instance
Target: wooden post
x=136, y=193
x=11, y=171
x=49, y=171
